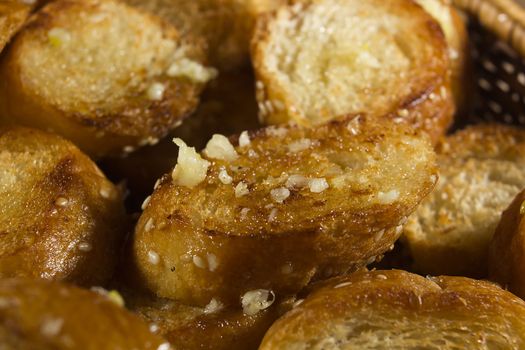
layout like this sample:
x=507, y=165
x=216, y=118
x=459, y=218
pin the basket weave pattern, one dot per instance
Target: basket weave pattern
x=497, y=33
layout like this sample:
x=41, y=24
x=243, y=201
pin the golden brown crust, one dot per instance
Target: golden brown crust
x=228, y=107
x=361, y=82
x=481, y=171
x=507, y=249
x=189, y=327
x=98, y=72
x=214, y=241
x=224, y=27
x=60, y=218
x=13, y=14
x=43, y=315
x=398, y=310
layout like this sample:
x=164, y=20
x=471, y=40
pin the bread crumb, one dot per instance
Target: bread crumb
x=191, y=169
x=219, y=147
x=256, y=300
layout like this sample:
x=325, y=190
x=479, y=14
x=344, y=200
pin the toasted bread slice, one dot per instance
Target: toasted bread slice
x=454, y=27
x=53, y=316
x=60, y=218
x=507, y=249
x=13, y=14
x=228, y=107
x=397, y=310
x=482, y=168
x=212, y=327
x=320, y=59
x=285, y=206
x=223, y=27
x=100, y=73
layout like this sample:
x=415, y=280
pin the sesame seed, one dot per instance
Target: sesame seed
x=244, y=139
x=153, y=257
x=213, y=262
x=280, y=194
x=341, y=285
x=381, y=277
x=61, y=201
x=84, y=247
x=145, y=203
x=318, y=185
x=155, y=91
x=51, y=327
x=241, y=189
x=199, y=262
x=105, y=192
x=164, y=346
x=297, y=303
x=153, y=328
x=128, y=149
x=273, y=215
x=378, y=235
x=149, y=225
x=157, y=184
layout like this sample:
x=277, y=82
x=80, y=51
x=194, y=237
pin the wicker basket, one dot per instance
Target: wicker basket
x=497, y=34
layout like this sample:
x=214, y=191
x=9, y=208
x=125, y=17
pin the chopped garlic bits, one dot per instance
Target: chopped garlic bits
x=192, y=70
x=219, y=147
x=191, y=169
x=256, y=300
x=213, y=306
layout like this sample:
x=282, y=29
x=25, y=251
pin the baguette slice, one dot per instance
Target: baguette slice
x=482, y=168
x=223, y=27
x=53, y=316
x=397, y=310
x=319, y=59
x=13, y=14
x=507, y=249
x=103, y=74
x=285, y=206
x=60, y=218
x=454, y=27
x=212, y=327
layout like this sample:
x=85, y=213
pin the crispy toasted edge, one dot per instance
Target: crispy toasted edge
x=394, y=288
x=506, y=258
x=13, y=15
x=110, y=130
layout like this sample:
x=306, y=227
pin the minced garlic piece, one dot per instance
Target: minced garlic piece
x=256, y=300
x=213, y=306
x=241, y=189
x=280, y=194
x=318, y=185
x=193, y=70
x=244, y=139
x=219, y=147
x=191, y=169
x=224, y=177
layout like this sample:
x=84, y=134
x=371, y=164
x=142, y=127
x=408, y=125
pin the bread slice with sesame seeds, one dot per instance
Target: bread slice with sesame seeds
x=223, y=27
x=212, y=327
x=47, y=315
x=60, y=218
x=394, y=310
x=103, y=74
x=319, y=59
x=227, y=106
x=13, y=14
x=507, y=249
x=482, y=168
x=279, y=208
